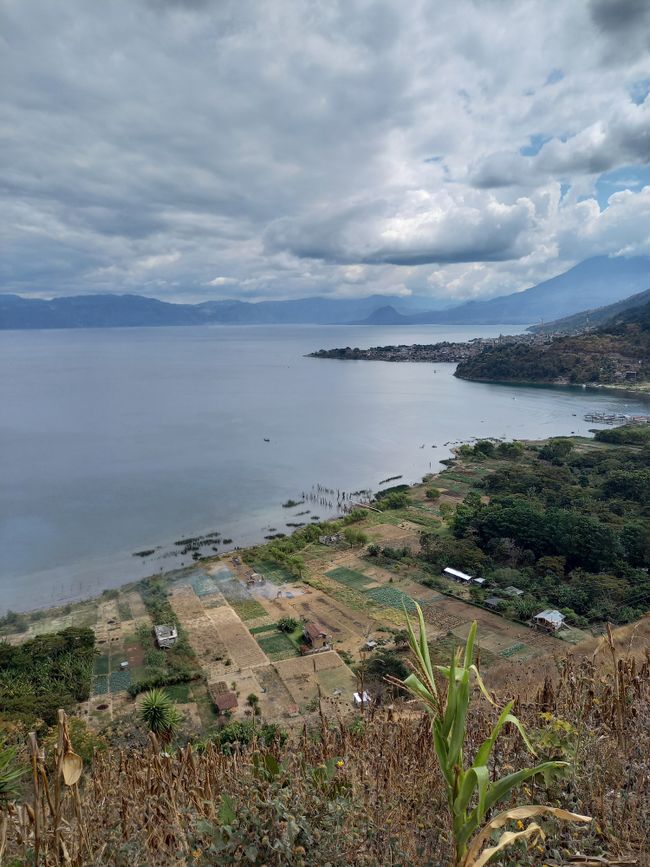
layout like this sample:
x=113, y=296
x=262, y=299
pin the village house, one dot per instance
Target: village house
x=551, y=620
x=225, y=702
x=166, y=635
x=513, y=591
x=315, y=635
x=493, y=602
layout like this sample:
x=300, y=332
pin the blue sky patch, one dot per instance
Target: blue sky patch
x=536, y=143
x=626, y=178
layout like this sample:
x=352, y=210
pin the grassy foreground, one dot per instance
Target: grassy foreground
x=369, y=792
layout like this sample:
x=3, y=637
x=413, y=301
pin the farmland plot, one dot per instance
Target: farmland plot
x=240, y=645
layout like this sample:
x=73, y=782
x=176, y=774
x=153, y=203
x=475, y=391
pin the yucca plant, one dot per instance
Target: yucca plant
x=470, y=792
x=10, y=775
x=160, y=714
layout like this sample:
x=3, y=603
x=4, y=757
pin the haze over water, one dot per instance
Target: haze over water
x=114, y=441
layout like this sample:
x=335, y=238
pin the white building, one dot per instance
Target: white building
x=165, y=635
x=457, y=576
x=551, y=619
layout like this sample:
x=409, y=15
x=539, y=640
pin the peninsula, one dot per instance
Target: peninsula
x=615, y=354
x=446, y=351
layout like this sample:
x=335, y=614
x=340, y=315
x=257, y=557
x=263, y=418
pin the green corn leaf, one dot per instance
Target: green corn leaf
x=475, y=776
x=481, y=685
x=512, y=719
x=424, y=647
x=419, y=690
x=483, y=753
x=504, y=786
x=452, y=699
x=457, y=733
x=443, y=755
x=469, y=645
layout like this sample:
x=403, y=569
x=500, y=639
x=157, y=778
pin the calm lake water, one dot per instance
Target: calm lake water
x=114, y=441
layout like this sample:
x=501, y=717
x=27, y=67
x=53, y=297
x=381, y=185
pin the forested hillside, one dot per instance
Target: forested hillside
x=618, y=352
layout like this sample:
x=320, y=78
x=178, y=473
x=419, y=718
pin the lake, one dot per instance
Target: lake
x=118, y=440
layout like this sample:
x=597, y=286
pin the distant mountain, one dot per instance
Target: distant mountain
x=120, y=311
x=590, y=284
x=386, y=315
x=590, y=318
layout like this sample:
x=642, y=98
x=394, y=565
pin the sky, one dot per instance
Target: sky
x=202, y=149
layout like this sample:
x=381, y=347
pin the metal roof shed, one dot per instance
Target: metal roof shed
x=456, y=574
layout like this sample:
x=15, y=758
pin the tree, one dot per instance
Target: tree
x=383, y=664
x=354, y=537
x=401, y=639
x=635, y=540
x=484, y=448
x=556, y=450
x=395, y=500
x=287, y=624
x=510, y=450
x=159, y=713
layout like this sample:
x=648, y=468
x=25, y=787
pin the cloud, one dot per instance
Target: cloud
x=623, y=139
x=296, y=148
x=416, y=229
x=221, y=281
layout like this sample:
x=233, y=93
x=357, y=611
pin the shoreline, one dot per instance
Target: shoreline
x=240, y=551
x=237, y=551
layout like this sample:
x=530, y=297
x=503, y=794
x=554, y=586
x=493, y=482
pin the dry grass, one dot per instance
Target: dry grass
x=386, y=805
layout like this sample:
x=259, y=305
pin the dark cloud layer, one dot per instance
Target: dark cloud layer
x=194, y=148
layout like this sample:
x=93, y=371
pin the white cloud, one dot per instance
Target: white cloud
x=221, y=281
x=304, y=148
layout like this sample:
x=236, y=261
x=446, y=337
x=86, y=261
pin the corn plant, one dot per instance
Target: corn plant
x=470, y=792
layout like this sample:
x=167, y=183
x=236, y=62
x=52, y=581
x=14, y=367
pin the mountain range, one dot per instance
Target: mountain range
x=590, y=284
x=122, y=311
x=589, y=319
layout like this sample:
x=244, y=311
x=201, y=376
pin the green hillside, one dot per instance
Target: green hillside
x=590, y=319
x=615, y=354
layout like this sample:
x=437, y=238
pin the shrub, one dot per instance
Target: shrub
x=287, y=624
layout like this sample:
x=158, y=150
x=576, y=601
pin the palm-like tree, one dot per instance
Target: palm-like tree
x=159, y=713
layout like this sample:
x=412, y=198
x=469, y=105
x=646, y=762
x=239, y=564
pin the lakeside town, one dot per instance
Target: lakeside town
x=446, y=351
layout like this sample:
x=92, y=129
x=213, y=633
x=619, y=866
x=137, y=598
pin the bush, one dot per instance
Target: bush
x=287, y=624
x=432, y=493
x=393, y=501
x=354, y=537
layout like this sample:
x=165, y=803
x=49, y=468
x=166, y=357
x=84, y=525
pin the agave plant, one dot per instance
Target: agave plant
x=470, y=792
x=10, y=775
x=160, y=714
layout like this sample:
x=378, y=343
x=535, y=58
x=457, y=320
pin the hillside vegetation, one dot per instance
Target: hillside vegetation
x=615, y=353
x=365, y=793
x=589, y=319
